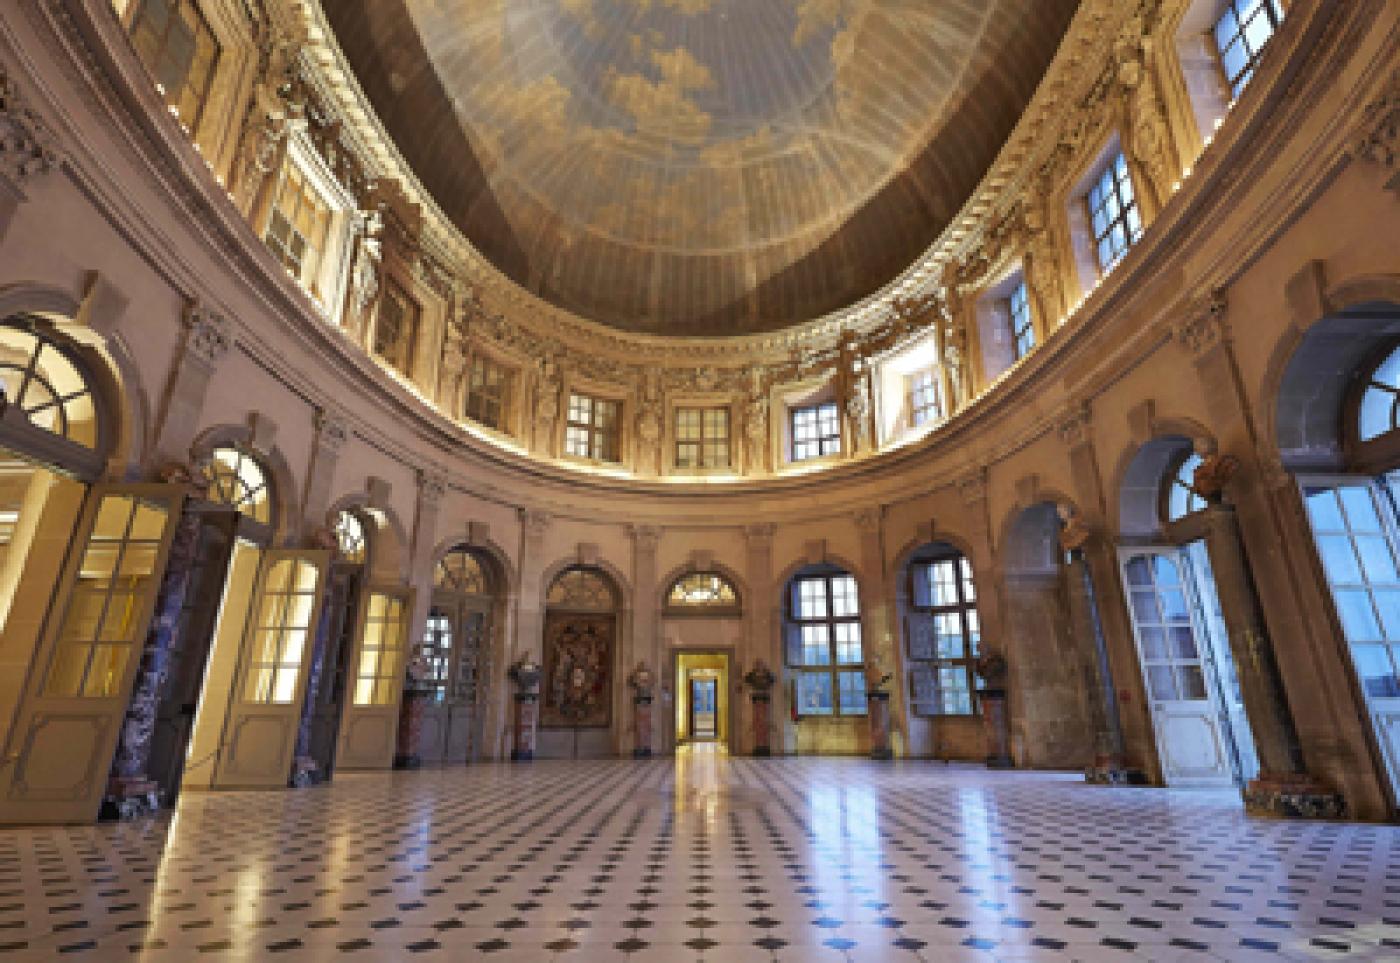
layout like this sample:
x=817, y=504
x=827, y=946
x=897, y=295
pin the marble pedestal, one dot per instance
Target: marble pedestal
x=527, y=706
x=410, y=730
x=762, y=706
x=994, y=721
x=641, y=714
x=878, y=709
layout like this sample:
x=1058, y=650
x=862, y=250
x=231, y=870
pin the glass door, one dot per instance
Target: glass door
x=1193, y=740
x=703, y=717
x=1354, y=523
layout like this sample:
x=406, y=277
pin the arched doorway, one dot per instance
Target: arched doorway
x=1193, y=691
x=80, y=570
x=456, y=657
x=579, y=670
x=250, y=710
x=1339, y=435
x=701, y=621
x=335, y=639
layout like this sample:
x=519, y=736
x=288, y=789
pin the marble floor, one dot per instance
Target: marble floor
x=703, y=858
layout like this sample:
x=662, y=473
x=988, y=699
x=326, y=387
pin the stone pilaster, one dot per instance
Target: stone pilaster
x=645, y=643
x=208, y=338
x=888, y=720
x=332, y=432
x=760, y=611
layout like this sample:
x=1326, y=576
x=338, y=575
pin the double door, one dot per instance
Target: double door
x=1198, y=717
x=455, y=652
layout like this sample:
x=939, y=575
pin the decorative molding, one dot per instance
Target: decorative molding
x=1204, y=325
x=332, y=430
x=1379, y=140
x=210, y=335
x=28, y=146
x=1075, y=429
x=432, y=486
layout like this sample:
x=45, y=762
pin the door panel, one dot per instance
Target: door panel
x=1355, y=531
x=375, y=681
x=1186, y=714
x=269, y=686
x=81, y=677
x=465, y=698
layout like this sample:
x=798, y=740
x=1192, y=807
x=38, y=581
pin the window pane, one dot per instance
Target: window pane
x=852, y=693
x=814, y=694
x=1376, y=671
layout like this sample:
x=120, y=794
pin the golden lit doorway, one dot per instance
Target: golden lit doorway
x=702, y=702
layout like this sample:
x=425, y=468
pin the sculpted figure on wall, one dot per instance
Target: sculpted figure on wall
x=272, y=114
x=548, y=385
x=1044, y=268
x=649, y=411
x=756, y=421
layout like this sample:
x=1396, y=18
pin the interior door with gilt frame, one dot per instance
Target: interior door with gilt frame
x=375, y=678
x=65, y=733
x=260, y=732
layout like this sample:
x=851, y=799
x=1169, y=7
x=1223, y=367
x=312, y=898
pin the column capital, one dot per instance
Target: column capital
x=973, y=487
x=332, y=429
x=534, y=521
x=868, y=520
x=1074, y=427
x=644, y=537
x=760, y=534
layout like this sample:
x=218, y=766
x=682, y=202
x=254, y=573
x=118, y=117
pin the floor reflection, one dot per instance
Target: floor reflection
x=703, y=857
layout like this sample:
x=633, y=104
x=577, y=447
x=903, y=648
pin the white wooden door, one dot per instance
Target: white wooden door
x=376, y=678
x=269, y=686
x=60, y=749
x=1354, y=526
x=1224, y=678
x=1189, y=722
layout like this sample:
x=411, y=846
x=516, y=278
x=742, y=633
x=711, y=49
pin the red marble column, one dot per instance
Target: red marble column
x=762, y=705
x=641, y=747
x=994, y=720
x=527, y=708
x=410, y=730
x=878, y=710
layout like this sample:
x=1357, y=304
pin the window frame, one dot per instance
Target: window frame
x=131, y=18
x=501, y=399
x=1378, y=454
x=405, y=351
x=1021, y=318
x=823, y=439
x=931, y=412
x=702, y=440
x=603, y=440
x=720, y=608
x=921, y=566
x=833, y=669
x=1111, y=182
x=1274, y=12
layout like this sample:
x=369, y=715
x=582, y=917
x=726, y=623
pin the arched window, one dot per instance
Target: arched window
x=702, y=593
x=1182, y=499
x=237, y=479
x=582, y=590
x=1379, y=411
x=824, y=650
x=49, y=413
x=944, y=632
x=351, y=537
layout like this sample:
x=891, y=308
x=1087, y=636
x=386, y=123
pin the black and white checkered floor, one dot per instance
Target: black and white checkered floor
x=703, y=858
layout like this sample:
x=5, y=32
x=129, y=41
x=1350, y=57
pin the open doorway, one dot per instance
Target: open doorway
x=702, y=700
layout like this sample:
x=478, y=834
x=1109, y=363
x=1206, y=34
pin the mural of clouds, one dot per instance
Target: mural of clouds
x=701, y=166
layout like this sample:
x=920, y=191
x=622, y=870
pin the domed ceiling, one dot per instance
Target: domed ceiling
x=700, y=167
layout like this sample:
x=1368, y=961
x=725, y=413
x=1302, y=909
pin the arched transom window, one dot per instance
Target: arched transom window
x=236, y=479
x=702, y=591
x=1380, y=400
x=582, y=590
x=460, y=571
x=351, y=537
x=1182, y=498
x=43, y=384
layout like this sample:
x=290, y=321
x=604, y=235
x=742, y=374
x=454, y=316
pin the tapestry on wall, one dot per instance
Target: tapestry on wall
x=577, y=672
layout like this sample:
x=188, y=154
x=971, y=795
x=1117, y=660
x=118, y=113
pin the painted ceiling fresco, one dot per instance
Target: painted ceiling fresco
x=700, y=167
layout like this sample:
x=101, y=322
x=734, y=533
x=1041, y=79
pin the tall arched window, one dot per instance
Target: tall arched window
x=237, y=479
x=943, y=632
x=824, y=650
